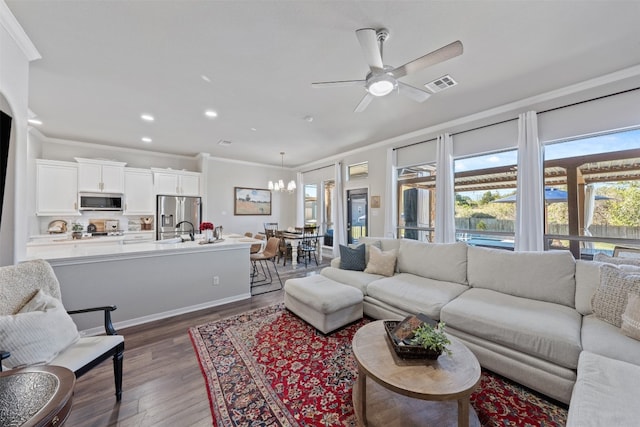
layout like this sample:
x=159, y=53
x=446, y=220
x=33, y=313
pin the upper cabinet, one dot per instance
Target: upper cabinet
x=56, y=188
x=138, y=192
x=181, y=183
x=100, y=176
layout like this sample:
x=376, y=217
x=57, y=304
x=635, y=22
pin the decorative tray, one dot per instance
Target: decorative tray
x=406, y=351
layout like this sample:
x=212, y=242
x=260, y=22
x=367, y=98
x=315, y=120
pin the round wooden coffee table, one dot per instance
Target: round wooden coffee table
x=391, y=391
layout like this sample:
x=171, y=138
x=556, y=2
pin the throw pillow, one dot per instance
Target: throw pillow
x=38, y=332
x=383, y=263
x=367, y=244
x=352, y=258
x=610, y=299
x=600, y=257
x=631, y=317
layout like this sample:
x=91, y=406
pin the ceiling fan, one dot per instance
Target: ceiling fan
x=383, y=79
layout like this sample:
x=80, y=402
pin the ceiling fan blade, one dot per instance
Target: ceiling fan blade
x=368, y=40
x=339, y=83
x=414, y=93
x=363, y=103
x=446, y=52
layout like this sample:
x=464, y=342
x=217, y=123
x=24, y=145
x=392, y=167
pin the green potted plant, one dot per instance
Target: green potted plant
x=76, y=230
x=432, y=338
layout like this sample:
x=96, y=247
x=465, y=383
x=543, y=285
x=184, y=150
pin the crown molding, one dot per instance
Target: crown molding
x=15, y=30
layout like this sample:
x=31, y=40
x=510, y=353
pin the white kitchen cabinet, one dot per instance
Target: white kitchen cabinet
x=138, y=192
x=56, y=188
x=100, y=176
x=181, y=183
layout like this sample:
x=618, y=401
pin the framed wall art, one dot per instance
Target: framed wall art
x=251, y=201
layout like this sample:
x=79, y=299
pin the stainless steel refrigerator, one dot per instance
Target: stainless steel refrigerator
x=176, y=215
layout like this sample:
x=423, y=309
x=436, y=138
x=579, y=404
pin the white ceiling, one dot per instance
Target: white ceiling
x=104, y=63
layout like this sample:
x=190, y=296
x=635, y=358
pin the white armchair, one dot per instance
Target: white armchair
x=35, y=329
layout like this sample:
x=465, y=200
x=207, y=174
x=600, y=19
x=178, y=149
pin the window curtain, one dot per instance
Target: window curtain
x=390, y=197
x=300, y=200
x=339, y=226
x=589, y=209
x=445, y=224
x=529, y=235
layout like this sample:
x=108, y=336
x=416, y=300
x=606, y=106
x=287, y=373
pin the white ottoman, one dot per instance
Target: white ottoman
x=325, y=304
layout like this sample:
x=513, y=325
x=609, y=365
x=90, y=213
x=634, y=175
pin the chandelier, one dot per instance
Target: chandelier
x=279, y=184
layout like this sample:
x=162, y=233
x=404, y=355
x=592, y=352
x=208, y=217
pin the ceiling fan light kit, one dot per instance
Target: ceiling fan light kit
x=381, y=85
x=383, y=79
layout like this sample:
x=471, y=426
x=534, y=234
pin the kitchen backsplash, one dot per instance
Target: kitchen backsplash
x=125, y=223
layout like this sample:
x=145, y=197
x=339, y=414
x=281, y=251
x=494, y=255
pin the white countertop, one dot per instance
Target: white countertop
x=112, y=247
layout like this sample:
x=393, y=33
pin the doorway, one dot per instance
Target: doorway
x=357, y=218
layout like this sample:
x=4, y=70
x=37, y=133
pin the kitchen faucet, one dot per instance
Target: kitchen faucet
x=192, y=232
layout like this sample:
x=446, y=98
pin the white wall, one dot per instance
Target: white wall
x=224, y=175
x=15, y=52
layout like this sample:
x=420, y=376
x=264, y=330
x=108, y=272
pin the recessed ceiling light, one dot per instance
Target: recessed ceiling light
x=224, y=142
x=210, y=114
x=146, y=139
x=34, y=121
x=308, y=118
x=205, y=78
x=147, y=117
x=254, y=129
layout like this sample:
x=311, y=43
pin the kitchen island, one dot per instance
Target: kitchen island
x=147, y=281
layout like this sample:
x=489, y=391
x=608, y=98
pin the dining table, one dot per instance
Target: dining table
x=296, y=238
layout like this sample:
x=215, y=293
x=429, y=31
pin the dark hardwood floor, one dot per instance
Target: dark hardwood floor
x=162, y=382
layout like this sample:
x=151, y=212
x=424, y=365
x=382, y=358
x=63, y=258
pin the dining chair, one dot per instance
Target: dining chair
x=309, y=244
x=285, y=250
x=270, y=229
x=262, y=259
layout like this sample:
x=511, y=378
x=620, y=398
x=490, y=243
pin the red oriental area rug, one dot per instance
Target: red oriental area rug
x=267, y=367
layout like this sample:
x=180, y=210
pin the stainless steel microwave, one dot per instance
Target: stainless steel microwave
x=100, y=202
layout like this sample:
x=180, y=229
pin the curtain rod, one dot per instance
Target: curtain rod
x=515, y=118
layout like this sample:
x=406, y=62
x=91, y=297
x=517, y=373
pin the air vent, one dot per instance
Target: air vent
x=224, y=142
x=441, y=84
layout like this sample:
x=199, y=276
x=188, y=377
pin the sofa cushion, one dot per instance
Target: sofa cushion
x=357, y=279
x=545, y=330
x=610, y=299
x=544, y=276
x=605, y=393
x=439, y=261
x=38, y=332
x=380, y=262
x=631, y=317
x=603, y=338
x=415, y=294
x=352, y=258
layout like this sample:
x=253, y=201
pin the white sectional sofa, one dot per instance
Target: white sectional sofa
x=526, y=315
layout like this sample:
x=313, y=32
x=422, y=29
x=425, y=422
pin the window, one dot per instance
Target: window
x=485, y=205
x=310, y=204
x=329, y=188
x=358, y=170
x=416, y=202
x=592, y=193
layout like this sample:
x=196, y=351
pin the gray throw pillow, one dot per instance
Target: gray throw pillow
x=352, y=258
